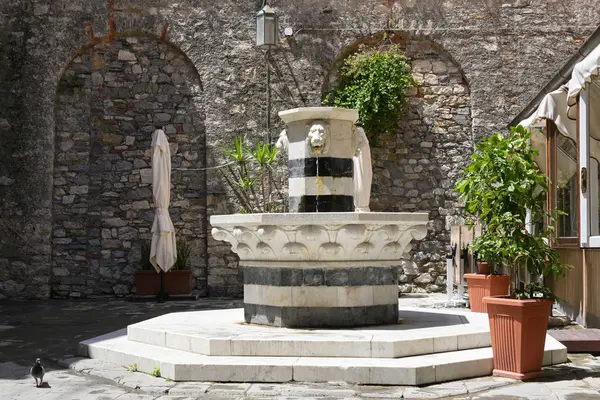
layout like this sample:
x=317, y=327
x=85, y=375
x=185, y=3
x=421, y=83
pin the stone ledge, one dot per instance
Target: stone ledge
x=223, y=333
x=309, y=237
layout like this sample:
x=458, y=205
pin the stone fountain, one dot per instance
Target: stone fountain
x=322, y=264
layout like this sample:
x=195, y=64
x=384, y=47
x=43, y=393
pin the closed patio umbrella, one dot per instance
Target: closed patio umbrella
x=163, y=251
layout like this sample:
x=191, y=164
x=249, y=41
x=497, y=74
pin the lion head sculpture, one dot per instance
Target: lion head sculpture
x=318, y=137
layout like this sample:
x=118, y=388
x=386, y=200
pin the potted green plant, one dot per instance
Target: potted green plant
x=489, y=281
x=147, y=281
x=500, y=185
x=178, y=280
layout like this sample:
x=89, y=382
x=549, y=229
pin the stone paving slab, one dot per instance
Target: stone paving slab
x=85, y=379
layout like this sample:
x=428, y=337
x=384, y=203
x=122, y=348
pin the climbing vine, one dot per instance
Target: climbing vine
x=374, y=82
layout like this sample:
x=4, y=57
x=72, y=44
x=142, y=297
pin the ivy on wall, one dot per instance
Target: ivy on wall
x=374, y=82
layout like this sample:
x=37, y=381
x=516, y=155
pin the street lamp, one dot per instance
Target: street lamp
x=267, y=35
x=266, y=27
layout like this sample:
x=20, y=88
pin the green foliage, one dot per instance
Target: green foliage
x=249, y=174
x=375, y=83
x=132, y=367
x=183, y=254
x=145, y=259
x=535, y=291
x=155, y=372
x=499, y=185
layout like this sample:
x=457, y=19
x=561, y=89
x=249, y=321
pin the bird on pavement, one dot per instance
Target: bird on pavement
x=37, y=371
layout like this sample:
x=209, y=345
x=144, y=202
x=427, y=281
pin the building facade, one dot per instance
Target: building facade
x=84, y=84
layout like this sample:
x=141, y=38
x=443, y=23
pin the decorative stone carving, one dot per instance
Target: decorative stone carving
x=363, y=171
x=318, y=138
x=320, y=236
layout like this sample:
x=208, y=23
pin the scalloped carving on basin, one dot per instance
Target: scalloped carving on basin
x=320, y=236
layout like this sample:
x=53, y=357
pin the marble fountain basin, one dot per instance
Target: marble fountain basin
x=335, y=269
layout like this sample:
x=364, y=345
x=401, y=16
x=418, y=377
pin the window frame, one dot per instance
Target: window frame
x=551, y=167
x=583, y=132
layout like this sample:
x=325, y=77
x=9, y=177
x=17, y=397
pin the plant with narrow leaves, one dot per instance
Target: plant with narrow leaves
x=183, y=254
x=249, y=174
x=145, y=263
x=155, y=372
x=498, y=187
x=374, y=82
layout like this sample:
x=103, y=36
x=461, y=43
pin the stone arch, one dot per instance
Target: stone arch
x=110, y=98
x=416, y=169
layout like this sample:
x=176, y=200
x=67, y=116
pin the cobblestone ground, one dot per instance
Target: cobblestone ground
x=51, y=330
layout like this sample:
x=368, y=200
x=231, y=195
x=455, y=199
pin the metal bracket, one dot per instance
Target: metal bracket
x=583, y=180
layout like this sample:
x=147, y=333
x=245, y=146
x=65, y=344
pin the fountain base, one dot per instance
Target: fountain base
x=428, y=346
x=305, y=294
x=320, y=269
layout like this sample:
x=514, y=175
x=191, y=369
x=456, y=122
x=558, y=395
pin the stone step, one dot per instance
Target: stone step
x=184, y=366
x=223, y=333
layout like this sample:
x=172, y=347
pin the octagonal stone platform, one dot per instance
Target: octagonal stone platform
x=427, y=346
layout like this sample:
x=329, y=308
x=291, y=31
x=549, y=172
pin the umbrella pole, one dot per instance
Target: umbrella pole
x=161, y=294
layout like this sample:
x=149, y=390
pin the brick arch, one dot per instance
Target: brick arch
x=110, y=97
x=415, y=170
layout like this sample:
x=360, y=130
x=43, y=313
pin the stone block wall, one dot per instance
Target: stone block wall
x=110, y=100
x=415, y=170
x=51, y=114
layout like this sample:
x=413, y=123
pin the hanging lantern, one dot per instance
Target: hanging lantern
x=266, y=27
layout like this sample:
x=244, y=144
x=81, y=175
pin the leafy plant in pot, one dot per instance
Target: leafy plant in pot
x=178, y=280
x=500, y=184
x=489, y=281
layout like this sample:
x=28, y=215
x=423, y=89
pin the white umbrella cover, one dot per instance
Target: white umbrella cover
x=163, y=251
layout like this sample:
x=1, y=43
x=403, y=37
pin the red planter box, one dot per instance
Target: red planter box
x=481, y=286
x=518, y=331
x=176, y=282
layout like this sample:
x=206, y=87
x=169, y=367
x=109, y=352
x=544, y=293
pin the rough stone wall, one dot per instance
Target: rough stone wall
x=415, y=169
x=506, y=50
x=110, y=100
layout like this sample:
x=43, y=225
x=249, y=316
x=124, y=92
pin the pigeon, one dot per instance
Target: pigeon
x=37, y=371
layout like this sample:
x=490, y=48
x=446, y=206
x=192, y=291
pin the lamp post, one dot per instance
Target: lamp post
x=267, y=35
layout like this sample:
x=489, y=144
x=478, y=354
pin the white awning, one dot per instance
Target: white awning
x=582, y=73
x=553, y=107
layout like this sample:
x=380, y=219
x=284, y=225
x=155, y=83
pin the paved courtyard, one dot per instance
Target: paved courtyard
x=51, y=330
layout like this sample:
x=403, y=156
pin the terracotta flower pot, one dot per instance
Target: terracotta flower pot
x=147, y=282
x=518, y=332
x=481, y=286
x=483, y=267
x=178, y=281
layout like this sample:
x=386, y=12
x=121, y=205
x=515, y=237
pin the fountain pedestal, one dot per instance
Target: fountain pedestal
x=320, y=269
x=321, y=265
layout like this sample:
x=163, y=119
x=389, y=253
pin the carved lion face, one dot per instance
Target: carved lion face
x=318, y=137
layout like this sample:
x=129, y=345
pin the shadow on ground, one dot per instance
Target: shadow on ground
x=52, y=329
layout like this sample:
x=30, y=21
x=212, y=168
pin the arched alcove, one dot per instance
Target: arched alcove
x=110, y=99
x=416, y=168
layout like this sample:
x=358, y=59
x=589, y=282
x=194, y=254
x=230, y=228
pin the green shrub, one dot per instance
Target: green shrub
x=499, y=185
x=374, y=82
